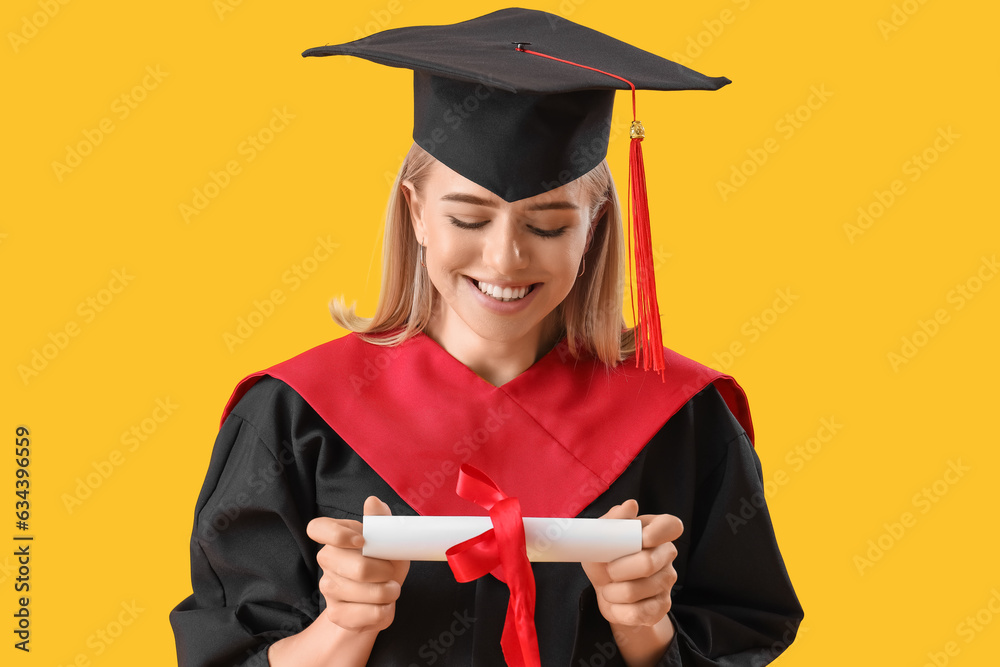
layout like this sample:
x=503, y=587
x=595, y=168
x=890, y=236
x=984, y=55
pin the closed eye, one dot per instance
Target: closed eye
x=547, y=233
x=467, y=225
x=537, y=231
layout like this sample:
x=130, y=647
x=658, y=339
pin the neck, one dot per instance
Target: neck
x=497, y=362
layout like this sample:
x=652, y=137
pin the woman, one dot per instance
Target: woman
x=498, y=341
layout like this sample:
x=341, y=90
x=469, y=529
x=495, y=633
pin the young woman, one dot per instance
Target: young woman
x=498, y=341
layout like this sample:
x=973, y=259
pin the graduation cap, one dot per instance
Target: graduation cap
x=519, y=101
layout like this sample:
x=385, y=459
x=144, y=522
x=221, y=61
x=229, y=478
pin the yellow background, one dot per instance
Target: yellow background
x=894, y=76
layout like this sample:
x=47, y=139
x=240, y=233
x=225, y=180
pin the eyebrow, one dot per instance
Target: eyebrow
x=466, y=198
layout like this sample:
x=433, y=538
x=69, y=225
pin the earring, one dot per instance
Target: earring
x=422, y=256
x=583, y=264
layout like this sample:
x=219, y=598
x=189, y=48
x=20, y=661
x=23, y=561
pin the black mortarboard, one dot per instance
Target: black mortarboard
x=519, y=101
x=514, y=123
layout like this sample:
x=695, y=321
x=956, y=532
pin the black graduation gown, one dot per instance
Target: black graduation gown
x=277, y=464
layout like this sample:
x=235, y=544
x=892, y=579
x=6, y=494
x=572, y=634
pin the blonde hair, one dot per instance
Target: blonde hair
x=590, y=315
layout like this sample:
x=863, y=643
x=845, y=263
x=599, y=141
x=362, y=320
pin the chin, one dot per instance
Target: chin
x=499, y=333
x=496, y=330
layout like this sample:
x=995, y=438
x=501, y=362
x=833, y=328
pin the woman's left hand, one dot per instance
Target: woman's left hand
x=633, y=592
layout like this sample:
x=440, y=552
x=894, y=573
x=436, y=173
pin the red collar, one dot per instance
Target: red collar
x=555, y=436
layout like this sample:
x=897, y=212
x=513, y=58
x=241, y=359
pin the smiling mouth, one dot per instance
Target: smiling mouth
x=503, y=293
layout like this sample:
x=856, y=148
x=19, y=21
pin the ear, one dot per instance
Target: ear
x=416, y=209
x=601, y=212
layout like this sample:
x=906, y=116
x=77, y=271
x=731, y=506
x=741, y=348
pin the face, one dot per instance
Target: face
x=500, y=268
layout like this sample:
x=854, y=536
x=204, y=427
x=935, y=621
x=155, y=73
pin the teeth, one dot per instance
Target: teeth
x=504, y=293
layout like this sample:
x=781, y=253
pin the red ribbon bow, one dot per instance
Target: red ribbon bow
x=500, y=551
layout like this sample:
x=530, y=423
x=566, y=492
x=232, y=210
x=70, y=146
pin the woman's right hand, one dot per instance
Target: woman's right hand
x=360, y=591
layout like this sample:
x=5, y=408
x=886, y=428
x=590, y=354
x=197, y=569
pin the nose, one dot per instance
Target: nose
x=504, y=251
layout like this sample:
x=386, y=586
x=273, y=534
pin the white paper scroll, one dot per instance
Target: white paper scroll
x=548, y=540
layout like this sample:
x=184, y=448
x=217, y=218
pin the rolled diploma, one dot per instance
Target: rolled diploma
x=548, y=540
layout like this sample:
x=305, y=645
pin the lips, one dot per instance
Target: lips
x=503, y=293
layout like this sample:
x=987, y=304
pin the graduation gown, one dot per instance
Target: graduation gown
x=317, y=435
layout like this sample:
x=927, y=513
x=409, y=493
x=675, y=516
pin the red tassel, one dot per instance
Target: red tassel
x=648, y=336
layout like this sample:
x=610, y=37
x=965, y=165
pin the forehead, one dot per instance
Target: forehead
x=441, y=182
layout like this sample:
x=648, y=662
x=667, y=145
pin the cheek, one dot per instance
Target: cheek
x=450, y=251
x=564, y=261
x=448, y=256
x=563, y=266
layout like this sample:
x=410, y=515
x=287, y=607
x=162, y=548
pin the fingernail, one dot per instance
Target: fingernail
x=357, y=540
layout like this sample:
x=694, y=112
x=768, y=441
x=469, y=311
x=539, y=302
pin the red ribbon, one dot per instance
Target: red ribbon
x=500, y=551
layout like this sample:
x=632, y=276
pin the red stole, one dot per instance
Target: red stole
x=555, y=436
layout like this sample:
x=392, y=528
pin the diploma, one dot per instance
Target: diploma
x=548, y=540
